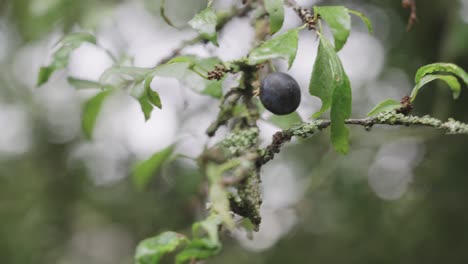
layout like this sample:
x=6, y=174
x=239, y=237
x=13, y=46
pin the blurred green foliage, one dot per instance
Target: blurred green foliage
x=45, y=202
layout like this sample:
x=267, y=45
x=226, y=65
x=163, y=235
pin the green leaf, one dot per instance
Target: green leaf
x=325, y=75
x=146, y=96
x=205, y=23
x=189, y=59
x=330, y=83
x=44, y=74
x=286, y=121
x=275, y=11
x=426, y=74
x=144, y=170
x=77, y=38
x=385, y=106
x=83, y=84
x=339, y=20
x=340, y=111
x=282, y=46
x=146, y=106
x=122, y=76
x=206, y=240
x=198, y=249
x=179, y=66
x=210, y=226
x=218, y=195
x=151, y=250
x=91, y=111
x=450, y=80
x=441, y=68
x=364, y=19
x=60, y=58
x=214, y=89
x=153, y=98
x=138, y=80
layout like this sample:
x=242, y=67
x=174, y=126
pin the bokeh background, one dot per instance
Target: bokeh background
x=400, y=196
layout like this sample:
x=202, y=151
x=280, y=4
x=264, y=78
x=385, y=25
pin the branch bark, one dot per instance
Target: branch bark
x=390, y=118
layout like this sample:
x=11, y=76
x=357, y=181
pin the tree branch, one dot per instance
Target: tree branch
x=389, y=118
x=410, y=4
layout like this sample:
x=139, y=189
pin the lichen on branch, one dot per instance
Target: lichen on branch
x=308, y=129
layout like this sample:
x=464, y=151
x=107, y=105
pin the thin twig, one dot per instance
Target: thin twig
x=226, y=111
x=393, y=119
x=413, y=18
x=221, y=23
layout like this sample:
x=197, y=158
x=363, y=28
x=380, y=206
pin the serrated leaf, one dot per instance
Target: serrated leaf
x=143, y=171
x=151, y=250
x=91, y=111
x=364, y=19
x=384, y=106
x=330, y=83
x=61, y=57
x=83, y=84
x=275, y=10
x=441, y=67
x=450, y=80
x=339, y=20
x=286, y=121
x=282, y=46
x=205, y=23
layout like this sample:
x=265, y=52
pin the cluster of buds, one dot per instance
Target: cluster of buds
x=307, y=17
x=217, y=73
x=406, y=106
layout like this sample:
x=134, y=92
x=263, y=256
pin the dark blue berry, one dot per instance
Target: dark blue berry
x=280, y=93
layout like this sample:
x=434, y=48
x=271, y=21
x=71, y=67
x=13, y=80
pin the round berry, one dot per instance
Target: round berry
x=280, y=93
